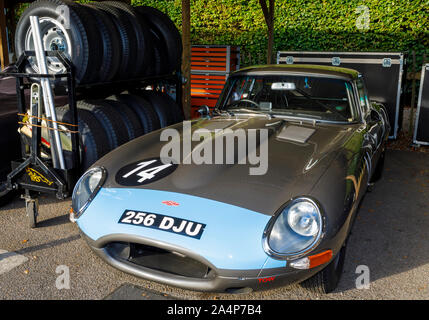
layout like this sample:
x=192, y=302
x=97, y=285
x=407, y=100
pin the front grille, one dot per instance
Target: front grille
x=159, y=259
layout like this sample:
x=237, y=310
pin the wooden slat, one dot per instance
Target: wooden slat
x=206, y=86
x=215, y=48
x=196, y=96
x=214, y=81
x=209, y=63
x=207, y=76
x=209, y=69
x=207, y=59
x=208, y=81
x=202, y=87
x=203, y=100
x=202, y=49
x=206, y=90
x=196, y=67
x=209, y=54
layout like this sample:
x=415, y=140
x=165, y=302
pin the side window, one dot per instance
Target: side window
x=363, y=96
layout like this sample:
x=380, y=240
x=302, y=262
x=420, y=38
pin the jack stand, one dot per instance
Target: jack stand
x=31, y=208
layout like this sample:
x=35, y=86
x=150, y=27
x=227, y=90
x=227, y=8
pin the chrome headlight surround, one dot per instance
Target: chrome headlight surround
x=282, y=214
x=84, y=193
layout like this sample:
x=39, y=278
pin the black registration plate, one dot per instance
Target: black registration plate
x=165, y=223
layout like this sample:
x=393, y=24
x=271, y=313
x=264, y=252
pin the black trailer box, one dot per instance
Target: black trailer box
x=383, y=72
x=421, y=126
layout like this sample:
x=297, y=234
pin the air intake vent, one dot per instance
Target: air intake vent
x=159, y=259
x=296, y=134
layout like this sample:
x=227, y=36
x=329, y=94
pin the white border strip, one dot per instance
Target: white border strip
x=419, y=104
x=279, y=53
x=342, y=61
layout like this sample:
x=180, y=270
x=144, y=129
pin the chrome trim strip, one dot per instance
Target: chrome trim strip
x=419, y=104
x=398, y=98
x=338, y=53
x=342, y=61
x=77, y=214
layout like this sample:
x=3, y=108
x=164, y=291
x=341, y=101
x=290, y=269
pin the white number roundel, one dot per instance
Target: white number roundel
x=143, y=172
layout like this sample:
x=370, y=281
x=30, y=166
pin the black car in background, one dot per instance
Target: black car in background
x=9, y=136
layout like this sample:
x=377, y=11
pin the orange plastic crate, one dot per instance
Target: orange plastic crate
x=219, y=59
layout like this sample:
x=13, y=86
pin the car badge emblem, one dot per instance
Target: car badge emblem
x=170, y=203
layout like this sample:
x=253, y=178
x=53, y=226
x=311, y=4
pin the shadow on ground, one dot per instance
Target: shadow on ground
x=390, y=233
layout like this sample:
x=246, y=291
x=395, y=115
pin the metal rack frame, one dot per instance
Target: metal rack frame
x=60, y=182
x=61, y=178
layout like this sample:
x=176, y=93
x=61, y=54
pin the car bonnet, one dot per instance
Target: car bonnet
x=298, y=154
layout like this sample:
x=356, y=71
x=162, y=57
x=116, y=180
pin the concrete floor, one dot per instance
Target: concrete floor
x=390, y=237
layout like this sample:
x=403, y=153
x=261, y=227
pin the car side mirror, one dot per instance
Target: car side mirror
x=204, y=111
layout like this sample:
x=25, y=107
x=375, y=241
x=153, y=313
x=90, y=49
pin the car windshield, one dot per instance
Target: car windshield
x=293, y=95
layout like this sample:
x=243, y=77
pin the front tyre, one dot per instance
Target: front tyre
x=327, y=279
x=379, y=169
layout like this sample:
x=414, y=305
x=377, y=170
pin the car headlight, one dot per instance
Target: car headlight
x=86, y=189
x=295, y=231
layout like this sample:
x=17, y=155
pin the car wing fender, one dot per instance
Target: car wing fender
x=381, y=109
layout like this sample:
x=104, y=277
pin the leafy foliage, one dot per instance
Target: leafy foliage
x=394, y=25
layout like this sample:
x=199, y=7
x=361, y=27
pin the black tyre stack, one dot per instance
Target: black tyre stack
x=106, y=124
x=166, y=39
x=106, y=41
x=109, y=41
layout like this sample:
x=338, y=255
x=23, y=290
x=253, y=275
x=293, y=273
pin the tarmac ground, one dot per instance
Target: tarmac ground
x=389, y=238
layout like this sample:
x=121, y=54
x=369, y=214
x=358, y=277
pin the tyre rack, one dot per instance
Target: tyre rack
x=35, y=175
x=32, y=173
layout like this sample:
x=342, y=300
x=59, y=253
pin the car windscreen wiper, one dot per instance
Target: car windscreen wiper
x=251, y=111
x=240, y=101
x=320, y=103
x=222, y=112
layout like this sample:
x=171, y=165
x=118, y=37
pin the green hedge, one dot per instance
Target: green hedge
x=395, y=25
